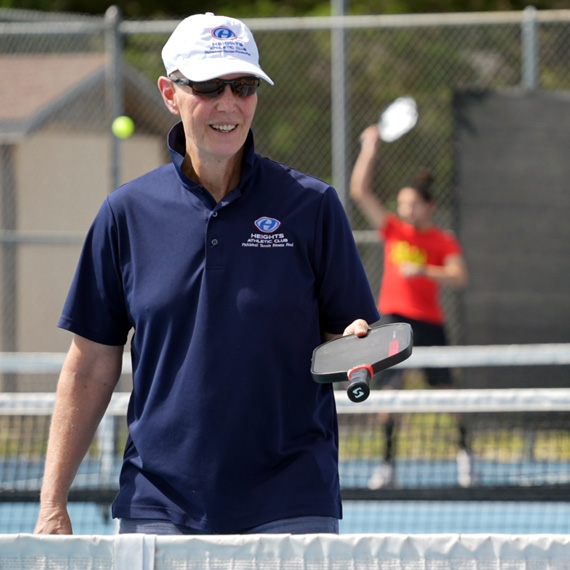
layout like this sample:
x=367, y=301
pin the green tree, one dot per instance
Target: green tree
x=274, y=8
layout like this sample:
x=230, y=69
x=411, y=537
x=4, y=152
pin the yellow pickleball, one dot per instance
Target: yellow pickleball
x=123, y=127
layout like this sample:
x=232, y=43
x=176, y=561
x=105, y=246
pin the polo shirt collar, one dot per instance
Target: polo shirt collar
x=177, y=147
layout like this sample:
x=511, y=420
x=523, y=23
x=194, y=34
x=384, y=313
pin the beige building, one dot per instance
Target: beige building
x=56, y=164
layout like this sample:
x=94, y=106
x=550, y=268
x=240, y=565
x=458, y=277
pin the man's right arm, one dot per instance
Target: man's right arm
x=86, y=383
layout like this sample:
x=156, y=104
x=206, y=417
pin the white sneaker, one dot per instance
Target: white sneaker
x=464, y=468
x=383, y=476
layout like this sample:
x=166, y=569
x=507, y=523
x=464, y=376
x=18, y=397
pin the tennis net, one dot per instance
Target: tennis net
x=286, y=552
x=469, y=460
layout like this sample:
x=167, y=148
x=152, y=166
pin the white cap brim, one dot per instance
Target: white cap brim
x=212, y=68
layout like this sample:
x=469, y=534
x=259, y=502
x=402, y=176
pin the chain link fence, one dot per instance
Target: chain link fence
x=65, y=78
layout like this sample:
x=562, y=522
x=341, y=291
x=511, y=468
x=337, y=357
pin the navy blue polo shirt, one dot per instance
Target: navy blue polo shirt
x=227, y=301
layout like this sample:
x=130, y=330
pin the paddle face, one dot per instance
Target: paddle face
x=382, y=347
x=397, y=119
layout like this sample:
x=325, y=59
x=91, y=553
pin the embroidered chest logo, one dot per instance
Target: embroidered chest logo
x=267, y=235
x=267, y=225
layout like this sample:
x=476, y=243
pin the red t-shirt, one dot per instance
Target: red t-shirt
x=416, y=297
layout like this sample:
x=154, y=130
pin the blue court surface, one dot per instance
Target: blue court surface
x=407, y=517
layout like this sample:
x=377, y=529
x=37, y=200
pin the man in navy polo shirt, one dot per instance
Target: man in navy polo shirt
x=230, y=269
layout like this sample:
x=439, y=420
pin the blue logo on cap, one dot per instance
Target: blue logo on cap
x=223, y=34
x=267, y=225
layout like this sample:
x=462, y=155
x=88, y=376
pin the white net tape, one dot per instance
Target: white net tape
x=392, y=401
x=286, y=552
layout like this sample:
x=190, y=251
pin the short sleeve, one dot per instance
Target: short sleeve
x=343, y=287
x=95, y=305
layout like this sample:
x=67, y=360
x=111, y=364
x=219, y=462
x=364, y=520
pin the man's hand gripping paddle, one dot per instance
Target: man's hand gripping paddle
x=357, y=359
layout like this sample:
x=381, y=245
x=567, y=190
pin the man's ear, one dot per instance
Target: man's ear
x=168, y=92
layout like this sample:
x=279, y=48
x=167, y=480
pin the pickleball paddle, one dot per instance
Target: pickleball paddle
x=397, y=119
x=357, y=359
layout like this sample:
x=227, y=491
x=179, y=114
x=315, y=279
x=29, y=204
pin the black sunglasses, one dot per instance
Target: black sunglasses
x=242, y=86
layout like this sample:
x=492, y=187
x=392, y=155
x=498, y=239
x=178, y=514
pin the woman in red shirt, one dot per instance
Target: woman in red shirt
x=419, y=257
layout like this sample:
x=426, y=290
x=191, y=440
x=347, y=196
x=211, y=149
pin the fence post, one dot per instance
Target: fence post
x=338, y=102
x=530, y=48
x=9, y=259
x=114, y=86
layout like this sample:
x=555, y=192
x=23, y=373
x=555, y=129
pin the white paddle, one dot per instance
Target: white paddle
x=397, y=119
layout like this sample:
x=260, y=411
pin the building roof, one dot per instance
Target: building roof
x=70, y=88
x=24, y=15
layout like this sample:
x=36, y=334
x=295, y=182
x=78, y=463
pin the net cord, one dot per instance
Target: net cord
x=393, y=401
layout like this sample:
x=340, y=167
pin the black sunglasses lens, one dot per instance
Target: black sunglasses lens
x=242, y=87
x=245, y=86
x=208, y=88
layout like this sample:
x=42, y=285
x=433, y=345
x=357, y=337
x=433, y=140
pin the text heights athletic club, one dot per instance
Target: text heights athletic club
x=267, y=240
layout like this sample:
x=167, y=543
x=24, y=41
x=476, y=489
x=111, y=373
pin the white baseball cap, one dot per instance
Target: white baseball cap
x=206, y=46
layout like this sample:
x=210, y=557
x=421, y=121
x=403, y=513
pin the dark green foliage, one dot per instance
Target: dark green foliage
x=134, y=9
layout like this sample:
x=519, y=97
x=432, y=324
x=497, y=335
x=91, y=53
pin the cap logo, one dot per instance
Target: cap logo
x=222, y=33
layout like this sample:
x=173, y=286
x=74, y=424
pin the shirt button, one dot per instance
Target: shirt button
x=214, y=214
x=214, y=242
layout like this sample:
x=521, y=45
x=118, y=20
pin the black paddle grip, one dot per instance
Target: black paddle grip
x=359, y=383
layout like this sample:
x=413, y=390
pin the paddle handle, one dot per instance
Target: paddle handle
x=359, y=382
